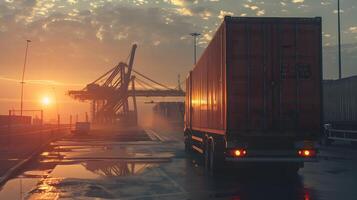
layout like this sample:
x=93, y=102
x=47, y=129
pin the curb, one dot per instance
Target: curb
x=13, y=170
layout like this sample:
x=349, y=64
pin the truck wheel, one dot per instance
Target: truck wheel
x=207, y=155
x=291, y=171
x=214, y=160
x=188, y=143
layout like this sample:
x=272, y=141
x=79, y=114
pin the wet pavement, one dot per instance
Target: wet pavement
x=148, y=165
x=15, y=147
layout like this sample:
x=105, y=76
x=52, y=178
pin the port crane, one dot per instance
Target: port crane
x=109, y=94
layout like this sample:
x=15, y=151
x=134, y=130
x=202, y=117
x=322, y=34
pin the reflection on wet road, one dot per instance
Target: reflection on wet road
x=148, y=168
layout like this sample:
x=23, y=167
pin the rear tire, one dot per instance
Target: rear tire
x=213, y=158
x=188, y=143
x=207, y=155
x=291, y=171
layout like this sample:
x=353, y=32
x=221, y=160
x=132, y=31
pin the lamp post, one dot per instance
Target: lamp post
x=339, y=39
x=23, y=76
x=194, y=35
x=58, y=116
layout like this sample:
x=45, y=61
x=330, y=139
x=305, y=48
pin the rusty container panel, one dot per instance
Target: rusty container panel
x=274, y=76
x=188, y=106
x=206, y=84
x=259, y=76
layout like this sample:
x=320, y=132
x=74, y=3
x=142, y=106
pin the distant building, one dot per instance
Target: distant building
x=340, y=101
x=6, y=120
x=168, y=115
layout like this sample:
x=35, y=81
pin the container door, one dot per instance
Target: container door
x=247, y=77
x=274, y=76
x=295, y=80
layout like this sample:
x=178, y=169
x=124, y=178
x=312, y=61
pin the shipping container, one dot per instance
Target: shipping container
x=340, y=102
x=257, y=85
x=168, y=115
x=81, y=128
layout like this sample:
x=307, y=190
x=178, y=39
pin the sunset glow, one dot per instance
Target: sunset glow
x=46, y=101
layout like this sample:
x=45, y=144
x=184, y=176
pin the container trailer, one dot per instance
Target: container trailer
x=255, y=94
x=340, y=110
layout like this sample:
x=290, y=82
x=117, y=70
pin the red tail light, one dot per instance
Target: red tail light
x=238, y=152
x=307, y=153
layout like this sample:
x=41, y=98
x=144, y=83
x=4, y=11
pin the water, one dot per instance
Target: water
x=18, y=187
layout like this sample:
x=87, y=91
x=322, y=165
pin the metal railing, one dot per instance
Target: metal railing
x=338, y=134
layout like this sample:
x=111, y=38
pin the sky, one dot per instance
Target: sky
x=75, y=41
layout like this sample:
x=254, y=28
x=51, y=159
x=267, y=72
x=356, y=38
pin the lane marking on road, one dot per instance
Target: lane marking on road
x=163, y=173
x=149, y=131
x=151, y=135
x=155, y=196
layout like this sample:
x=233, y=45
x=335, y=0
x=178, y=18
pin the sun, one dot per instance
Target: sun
x=46, y=101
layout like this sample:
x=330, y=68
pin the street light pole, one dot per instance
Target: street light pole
x=58, y=116
x=339, y=39
x=23, y=76
x=195, y=35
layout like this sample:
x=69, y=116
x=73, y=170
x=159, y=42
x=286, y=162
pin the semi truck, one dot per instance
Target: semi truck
x=255, y=94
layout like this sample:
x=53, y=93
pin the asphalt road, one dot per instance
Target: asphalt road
x=135, y=165
x=22, y=142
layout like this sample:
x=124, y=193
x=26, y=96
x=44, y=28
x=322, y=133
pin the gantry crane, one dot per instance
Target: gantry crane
x=109, y=94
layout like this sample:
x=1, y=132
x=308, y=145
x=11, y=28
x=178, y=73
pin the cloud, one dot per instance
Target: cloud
x=201, y=11
x=41, y=82
x=260, y=12
x=207, y=37
x=297, y=1
x=353, y=29
x=156, y=43
x=335, y=11
x=325, y=3
x=184, y=11
x=72, y=1
x=181, y=2
x=78, y=47
x=252, y=7
x=99, y=32
x=223, y=13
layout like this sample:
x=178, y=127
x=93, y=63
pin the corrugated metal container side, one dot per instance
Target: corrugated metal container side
x=258, y=76
x=340, y=100
x=206, y=86
x=274, y=75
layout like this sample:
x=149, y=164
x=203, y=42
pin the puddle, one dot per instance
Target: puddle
x=17, y=188
x=107, y=180
x=102, y=169
x=104, y=152
x=73, y=171
x=35, y=174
